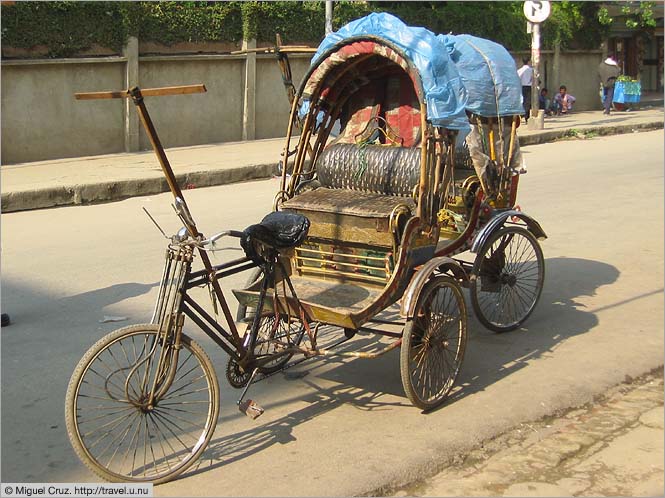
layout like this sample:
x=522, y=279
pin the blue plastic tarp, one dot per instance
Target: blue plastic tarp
x=489, y=75
x=627, y=92
x=445, y=95
x=458, y=72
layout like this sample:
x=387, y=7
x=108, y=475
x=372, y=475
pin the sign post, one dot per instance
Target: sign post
x=329, y=15
x=536, y=12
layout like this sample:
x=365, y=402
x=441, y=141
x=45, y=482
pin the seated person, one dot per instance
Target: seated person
x=563, y=101
x=544, y=102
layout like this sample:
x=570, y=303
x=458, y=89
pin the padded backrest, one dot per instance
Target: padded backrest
x=391, y=98
x=361, y=108
x=381, y=169
x=402, y=109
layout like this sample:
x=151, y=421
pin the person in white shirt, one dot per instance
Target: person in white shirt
x=526, y=77
x=608, y=72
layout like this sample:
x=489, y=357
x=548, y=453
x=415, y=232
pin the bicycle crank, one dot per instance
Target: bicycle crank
x=250, y=407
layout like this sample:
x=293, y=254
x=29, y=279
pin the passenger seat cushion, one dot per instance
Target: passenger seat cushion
x=348, y=202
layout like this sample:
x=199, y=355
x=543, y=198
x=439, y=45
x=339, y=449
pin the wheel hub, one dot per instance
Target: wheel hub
x=508, y=279
x=144, y=405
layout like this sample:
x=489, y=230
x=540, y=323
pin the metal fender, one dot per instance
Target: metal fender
x=441, y=264
x=498, y=221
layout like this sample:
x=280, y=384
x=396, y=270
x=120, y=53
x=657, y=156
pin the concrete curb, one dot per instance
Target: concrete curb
x=117, y=190
x=553, y=135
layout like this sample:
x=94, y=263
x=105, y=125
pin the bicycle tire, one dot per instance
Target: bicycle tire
x=164, y=422
x=434, y=343
x=507, y=281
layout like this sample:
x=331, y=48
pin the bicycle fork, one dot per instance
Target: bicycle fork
x=167, y=345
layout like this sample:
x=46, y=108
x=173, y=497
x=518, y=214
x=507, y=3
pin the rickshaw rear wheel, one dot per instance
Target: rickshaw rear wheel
x=433, y=343
x=112, y=426
x=507, y=279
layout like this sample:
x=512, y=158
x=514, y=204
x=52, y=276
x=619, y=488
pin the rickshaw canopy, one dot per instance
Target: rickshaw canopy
x=488, y=73
x=444, y=92
x=458, y=73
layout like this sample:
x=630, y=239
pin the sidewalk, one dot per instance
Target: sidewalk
x=83, y=180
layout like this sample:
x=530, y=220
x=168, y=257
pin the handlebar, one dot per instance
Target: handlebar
x=230, y=233
x=217, y=236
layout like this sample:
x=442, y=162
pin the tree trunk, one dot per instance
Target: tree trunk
x=555, y=67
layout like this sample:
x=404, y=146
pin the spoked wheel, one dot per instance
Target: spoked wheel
x=272, y=338
x=433, y=343
x=507, y=279
x=111, y=425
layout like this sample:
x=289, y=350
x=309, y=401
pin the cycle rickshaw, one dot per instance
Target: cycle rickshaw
x=378, y=192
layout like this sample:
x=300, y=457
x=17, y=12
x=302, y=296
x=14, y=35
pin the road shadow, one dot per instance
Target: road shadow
x=490, y=357
x=240, y=445
x=558, y=316
x=108, y=295
x=69, y=307
x=49, y=335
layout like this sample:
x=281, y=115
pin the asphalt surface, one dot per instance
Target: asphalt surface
x=85, y=180
x=344, y=427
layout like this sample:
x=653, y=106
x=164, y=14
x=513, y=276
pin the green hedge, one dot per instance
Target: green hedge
x=64, y=27
x=172, y=22
x=67, y=28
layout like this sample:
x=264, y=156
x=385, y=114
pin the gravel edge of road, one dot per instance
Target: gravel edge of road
x=486, y=449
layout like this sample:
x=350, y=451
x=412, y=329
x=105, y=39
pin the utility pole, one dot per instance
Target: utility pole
x=535, y=62
x=329, y=14
x=536, y=12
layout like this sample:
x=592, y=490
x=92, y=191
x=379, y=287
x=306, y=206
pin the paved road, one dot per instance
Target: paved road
x=345, y=428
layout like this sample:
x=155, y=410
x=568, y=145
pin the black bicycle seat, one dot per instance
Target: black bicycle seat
x=278, y=230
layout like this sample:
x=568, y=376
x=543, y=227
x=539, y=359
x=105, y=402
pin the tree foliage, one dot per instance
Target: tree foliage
x=68, y=27
x=639, y=15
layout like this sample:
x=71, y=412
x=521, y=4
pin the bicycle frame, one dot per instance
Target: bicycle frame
x=173, y=301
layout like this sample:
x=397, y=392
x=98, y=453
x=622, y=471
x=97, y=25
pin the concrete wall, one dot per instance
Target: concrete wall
x=41, y=120
x=577, y=70
x=214, y=116
x=272, y=104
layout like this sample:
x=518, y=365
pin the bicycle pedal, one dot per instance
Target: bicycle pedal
x=251, y=409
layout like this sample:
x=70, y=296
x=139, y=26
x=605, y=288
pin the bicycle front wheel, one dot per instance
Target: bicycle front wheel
x=112, y=428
